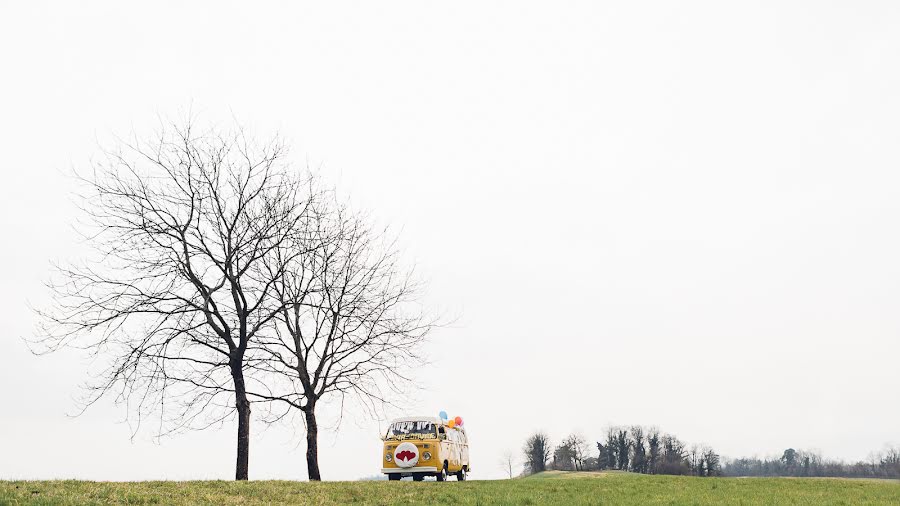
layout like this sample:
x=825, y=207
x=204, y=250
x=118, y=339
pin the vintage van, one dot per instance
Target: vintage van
x=424, y=446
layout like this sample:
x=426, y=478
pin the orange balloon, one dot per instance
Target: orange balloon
x=458, y=420
x=451, y=423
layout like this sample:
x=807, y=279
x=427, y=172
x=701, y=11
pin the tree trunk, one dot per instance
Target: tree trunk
x=312, y=443
x=243, y=408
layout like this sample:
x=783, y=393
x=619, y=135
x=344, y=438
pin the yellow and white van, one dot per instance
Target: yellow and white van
x=425, y=446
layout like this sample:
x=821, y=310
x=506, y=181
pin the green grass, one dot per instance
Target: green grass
x=545, y=488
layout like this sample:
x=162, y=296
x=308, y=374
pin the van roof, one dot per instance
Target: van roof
x=433, y=419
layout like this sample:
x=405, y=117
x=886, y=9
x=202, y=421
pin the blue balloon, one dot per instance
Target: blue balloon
x=443, y=415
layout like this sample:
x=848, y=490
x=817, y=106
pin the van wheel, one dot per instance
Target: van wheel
x=394, y=477
x=442, y=474
x=461, y=475
x=418, y=477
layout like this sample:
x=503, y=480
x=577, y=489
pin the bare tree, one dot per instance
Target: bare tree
x=350, y=324
x=578, y=448
x=508, y=462
x=184, y=227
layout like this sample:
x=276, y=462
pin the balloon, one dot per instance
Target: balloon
x=451, y=423
x=443, y=415
x=458, y=421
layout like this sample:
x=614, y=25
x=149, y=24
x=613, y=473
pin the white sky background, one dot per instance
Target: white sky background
x=681, y=215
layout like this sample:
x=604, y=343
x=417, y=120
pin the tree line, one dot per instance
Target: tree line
x=883, y=464
x=635, y=448
x=645, y=450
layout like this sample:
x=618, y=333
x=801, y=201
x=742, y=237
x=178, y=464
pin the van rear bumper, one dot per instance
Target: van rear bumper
x=408, y=470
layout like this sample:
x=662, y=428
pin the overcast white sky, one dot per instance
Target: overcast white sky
x=679, y=214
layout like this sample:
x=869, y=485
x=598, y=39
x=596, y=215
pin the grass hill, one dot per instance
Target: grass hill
x=545, y=488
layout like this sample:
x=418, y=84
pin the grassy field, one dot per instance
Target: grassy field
x=546, y=488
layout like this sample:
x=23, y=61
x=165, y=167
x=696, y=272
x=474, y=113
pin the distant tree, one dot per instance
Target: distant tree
x=638, y=450
x=674, y=456
x=612, y=449
x=653, y=451
x=890, y=461
x=508, y=462
x=602, y=457
x=563, y=457
x=711, y=461
x=578, y=447
x=695, y=456
x=789, y=460
x=622, y=448
x=537, y=452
